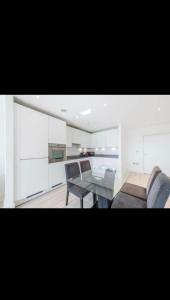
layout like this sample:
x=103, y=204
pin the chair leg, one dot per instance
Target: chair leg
x=94, y=199
x=67, y=196
x=81, y=202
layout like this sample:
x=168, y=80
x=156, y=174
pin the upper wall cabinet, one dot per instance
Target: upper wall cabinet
x=31, y=133
x=57, y=131
x=69, y=136
x=80, y=137
x=107, y=138
x=112, y=138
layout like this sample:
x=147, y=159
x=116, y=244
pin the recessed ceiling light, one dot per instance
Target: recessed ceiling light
x=63, y=110
x=86, y=112
x=37, y=97
x=105, y=104
x=158, y=108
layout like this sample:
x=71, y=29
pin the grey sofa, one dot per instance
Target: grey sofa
x=156, y=198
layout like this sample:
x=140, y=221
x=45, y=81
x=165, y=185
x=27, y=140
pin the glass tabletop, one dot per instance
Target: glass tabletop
x=102, y=186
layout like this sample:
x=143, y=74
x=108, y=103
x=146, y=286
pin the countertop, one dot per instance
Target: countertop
x=97, y=155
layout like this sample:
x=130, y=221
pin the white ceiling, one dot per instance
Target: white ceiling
x=130, y=110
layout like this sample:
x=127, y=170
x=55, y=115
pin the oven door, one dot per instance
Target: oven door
x=56, y=154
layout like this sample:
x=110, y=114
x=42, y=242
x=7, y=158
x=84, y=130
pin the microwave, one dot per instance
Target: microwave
x=56, y=152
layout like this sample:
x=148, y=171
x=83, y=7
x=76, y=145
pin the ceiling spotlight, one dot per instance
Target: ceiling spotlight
x=158, y=108
x=86, y=112
x=105, y=104
x=113, y=149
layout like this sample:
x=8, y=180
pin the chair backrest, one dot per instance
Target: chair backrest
x=72, y=170
x=85, y=165
x=159, y=192
x=156, y=170
x=109, y=177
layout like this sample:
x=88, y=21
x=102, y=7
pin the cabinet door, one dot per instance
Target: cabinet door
x=101, y=139
x=31, y=133
x=84, y=139
x=94, y=142
x=69, y=136
x=57, y=131
x=33, y=177
x=109, y=138
x=56, y=174
x=112, y=138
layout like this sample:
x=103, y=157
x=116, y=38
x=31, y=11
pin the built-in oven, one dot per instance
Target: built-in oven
x=56, y=152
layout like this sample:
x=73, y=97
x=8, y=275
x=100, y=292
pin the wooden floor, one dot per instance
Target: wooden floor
x=57, y=197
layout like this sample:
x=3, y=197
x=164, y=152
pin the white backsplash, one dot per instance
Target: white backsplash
x=71, y=151
x=107, y=151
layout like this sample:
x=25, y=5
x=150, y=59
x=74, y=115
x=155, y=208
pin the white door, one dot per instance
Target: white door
x=157, y=152
x=31, y=133
x=33, y=177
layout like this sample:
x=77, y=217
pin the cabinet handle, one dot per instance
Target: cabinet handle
x=56, y=184
x=34, y=194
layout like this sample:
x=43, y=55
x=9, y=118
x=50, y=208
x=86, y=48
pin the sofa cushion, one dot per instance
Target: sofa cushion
x=134, y=190
x=155, y=172
x=123, y=200
x=159, y=192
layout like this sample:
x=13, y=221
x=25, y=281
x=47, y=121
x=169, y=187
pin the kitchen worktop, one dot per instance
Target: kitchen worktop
x=96, y=155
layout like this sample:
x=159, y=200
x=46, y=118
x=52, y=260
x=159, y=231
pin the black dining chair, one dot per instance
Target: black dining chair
x=73, y=170
x=85, y=165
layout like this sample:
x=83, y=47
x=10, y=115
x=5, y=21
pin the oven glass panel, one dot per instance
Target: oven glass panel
x=57, y=154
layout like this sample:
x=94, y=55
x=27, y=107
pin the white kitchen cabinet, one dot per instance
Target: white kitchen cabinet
x=103, y=139
x=76, y=136
x=69, y=136
x=80, y=137
x=56, y=174
x=33, y=177
x=94, y=140
x=112, y=138
x=31, y=133
x=100, y=164
x=99, y=139
x=57, y=131
x=86, y=142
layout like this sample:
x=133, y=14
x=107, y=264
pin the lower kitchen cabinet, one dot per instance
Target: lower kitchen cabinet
x=56, y=175
x=32, y=177
x=100, y=164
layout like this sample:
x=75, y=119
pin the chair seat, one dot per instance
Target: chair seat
x=123, y=200
x=134, y=190
x=78, y=191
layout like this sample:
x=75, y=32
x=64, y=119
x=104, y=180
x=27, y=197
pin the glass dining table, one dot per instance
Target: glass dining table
x=102, y=187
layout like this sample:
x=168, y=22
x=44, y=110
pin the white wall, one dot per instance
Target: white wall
x=134, y=146
x=6, y=151
x=2, y=145
x=9, y=152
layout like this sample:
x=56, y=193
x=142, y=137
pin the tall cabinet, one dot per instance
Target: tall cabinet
x=31, y=152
